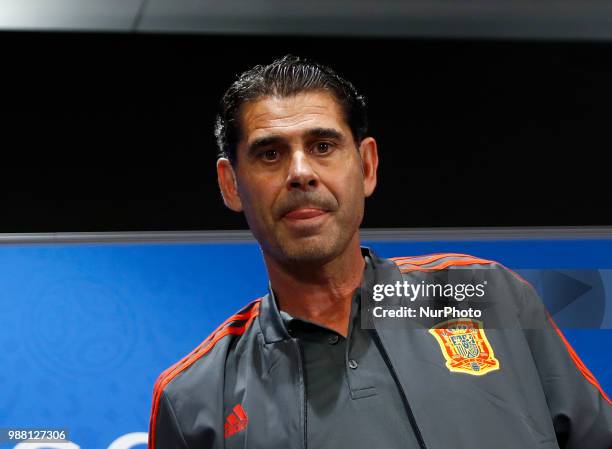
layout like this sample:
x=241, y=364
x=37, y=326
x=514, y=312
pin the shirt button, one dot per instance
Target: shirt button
x=333, y=339
x=353, y=364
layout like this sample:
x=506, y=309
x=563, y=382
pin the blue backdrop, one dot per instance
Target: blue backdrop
x=86, y=329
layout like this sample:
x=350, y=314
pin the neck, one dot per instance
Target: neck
x=321, y=294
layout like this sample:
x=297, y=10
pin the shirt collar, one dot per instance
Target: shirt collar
x=270, y=319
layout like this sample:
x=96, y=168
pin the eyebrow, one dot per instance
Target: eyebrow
x=320, y=133
x=263, y=142
x=324, y=133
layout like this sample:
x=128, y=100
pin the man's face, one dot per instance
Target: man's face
x=299, y=177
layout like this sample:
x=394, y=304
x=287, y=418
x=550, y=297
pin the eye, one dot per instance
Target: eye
x=269, y=155
x=323, y=148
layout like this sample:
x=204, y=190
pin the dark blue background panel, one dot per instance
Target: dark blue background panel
x=86, y=329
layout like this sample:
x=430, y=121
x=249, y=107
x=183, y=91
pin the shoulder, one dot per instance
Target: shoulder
x=207, y=360
x=448, y=261
x=202, y=372
x=441, y=261
x=502, y=283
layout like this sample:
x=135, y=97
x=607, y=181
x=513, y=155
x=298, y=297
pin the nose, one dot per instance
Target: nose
x=301, y=174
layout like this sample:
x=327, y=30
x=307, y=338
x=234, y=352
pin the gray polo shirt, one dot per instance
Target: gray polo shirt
x=352, y=398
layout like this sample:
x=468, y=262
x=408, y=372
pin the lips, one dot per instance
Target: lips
x=304, y=213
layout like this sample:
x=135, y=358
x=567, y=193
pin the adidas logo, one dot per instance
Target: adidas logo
x=236, y=421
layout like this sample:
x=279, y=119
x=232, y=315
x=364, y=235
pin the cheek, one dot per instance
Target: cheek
x=350, y=186
x=257, y=197
x=355, y=196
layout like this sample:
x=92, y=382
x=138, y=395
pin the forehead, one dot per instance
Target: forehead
x=287, y=115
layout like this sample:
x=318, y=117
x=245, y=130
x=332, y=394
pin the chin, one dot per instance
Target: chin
x=312, y=250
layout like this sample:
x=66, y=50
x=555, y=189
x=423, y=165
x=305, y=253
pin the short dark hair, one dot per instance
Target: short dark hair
x=285, y=77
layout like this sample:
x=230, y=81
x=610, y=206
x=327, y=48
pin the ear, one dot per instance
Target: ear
x=228, y=185
x=369, y=160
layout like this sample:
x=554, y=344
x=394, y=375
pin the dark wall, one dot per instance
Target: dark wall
x=114, y=131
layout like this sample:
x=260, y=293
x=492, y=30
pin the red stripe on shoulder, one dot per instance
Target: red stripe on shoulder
x=516, y=275
x=419, y=261
x=466, y=259
x=579, y=363
x=425, y=259
x=407, y=265
x=246, y=314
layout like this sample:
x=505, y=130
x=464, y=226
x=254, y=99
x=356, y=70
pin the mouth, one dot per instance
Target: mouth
x=304, y=213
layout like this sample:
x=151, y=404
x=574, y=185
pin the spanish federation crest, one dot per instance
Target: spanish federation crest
x=465, y=346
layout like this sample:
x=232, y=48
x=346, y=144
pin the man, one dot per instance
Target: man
x=300, y=367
